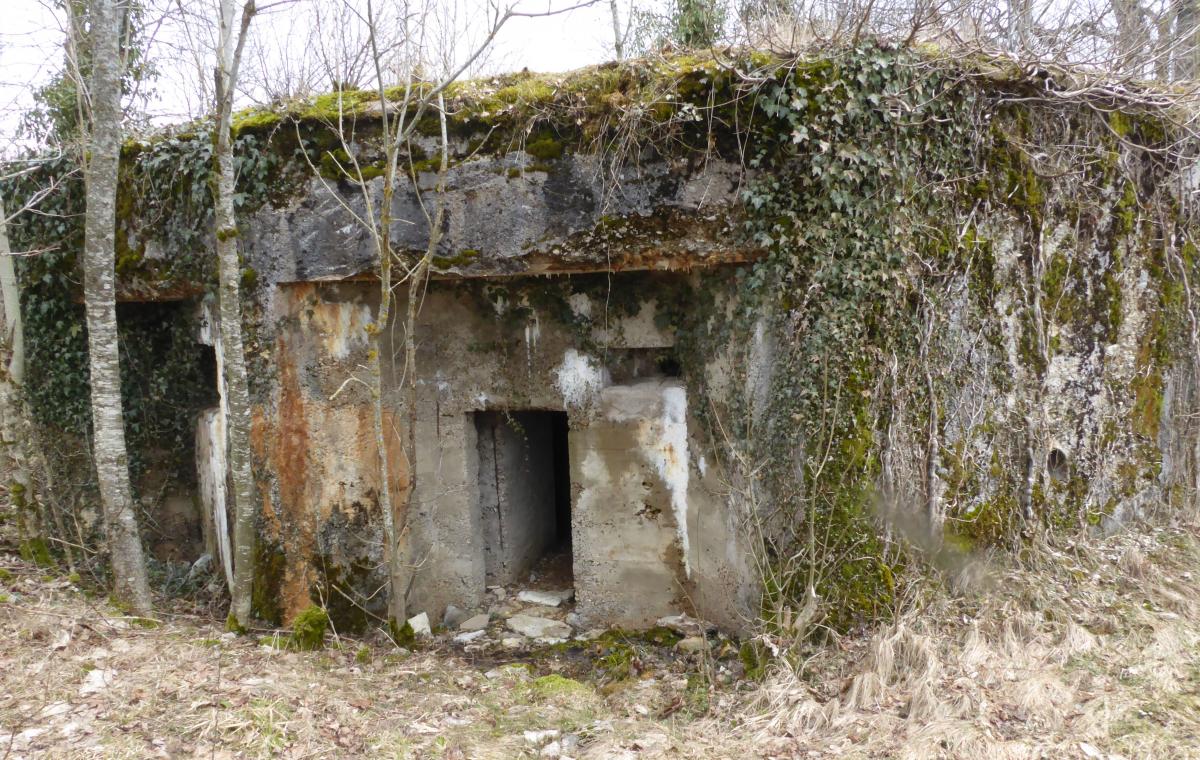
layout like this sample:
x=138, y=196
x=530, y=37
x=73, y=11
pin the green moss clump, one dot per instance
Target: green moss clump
x=363, y=655
x=544, y=147
x=403, y=635
x=249, y=278
x=1125, y=211
x=335, y=164
x=233, y=626
x=36, y=550
x=554, y=685
x=254, y=119
x=754, y=660
x=461, y=259
x=1120, y=124
x=5, y=575
x=370, y=171
x=1146, y=415
x=617, y=662
x=308, y=629
x=341, y=103
x=661, y=636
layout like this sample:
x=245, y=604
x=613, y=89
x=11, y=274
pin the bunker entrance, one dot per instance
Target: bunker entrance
x=525, y=498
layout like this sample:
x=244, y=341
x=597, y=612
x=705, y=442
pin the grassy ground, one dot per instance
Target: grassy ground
x=1088, y=649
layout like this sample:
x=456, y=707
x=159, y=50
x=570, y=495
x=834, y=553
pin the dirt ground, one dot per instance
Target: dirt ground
x=1087, y=649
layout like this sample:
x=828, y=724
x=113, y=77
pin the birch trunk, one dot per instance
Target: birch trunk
x=103, y=148
x=11, y=376
x=27, y=461
x=618, y=38
x=236, y=400
x=1187, y=38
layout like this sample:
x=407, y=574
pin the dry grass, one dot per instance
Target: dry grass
x=1087, y=650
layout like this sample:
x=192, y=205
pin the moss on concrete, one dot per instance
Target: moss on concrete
x=270, y=564
x=308, y=629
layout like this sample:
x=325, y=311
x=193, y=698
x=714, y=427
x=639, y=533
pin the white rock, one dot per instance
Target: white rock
x=536, y=627
x=553, y=749
x=687, y=626
x=469, y=636
x=569, y=742
x=513, y=642
x=541, y=737
x=420, y=625
x=61, y=639
x=546, y=598
x=498, y=591
x=476, y=623
x=588, y=635
x=97, y=680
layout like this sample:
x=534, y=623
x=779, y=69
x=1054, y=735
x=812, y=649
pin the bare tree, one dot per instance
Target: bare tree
x=101, y=100
x=236, y=401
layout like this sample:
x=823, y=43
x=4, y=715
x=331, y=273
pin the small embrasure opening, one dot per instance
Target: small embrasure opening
x=525, y=498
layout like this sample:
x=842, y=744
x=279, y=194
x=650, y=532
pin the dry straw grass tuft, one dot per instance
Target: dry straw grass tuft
x=1087, y=648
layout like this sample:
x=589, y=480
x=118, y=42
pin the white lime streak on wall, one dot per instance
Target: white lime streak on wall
x=669, y=455
x=579, y=378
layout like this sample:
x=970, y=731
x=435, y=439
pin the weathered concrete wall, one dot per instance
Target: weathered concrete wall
x=568, y=215
x=631, y=473
x=639, y=550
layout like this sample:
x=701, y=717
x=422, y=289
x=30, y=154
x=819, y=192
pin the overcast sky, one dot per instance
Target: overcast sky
x=31, y=36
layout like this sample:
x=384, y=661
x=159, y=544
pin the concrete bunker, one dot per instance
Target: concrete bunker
x=525, y=496
x=556, y=450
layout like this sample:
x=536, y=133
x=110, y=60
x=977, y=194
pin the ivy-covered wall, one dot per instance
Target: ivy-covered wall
x=956, y=309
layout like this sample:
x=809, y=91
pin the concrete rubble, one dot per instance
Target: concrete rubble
x=538, y=627
x=546, y=598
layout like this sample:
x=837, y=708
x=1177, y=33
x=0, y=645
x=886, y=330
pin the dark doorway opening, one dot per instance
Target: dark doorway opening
x=525, y=498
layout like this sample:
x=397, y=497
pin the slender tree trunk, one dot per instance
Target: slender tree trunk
x=102, y=154
x=1187, y=39
x=618, y=38
x=1133, y=39
x=236, y=400
x=397, y=582
x=27, y=461
x=12, y=349
x=1021, y=24
x=394, y=554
